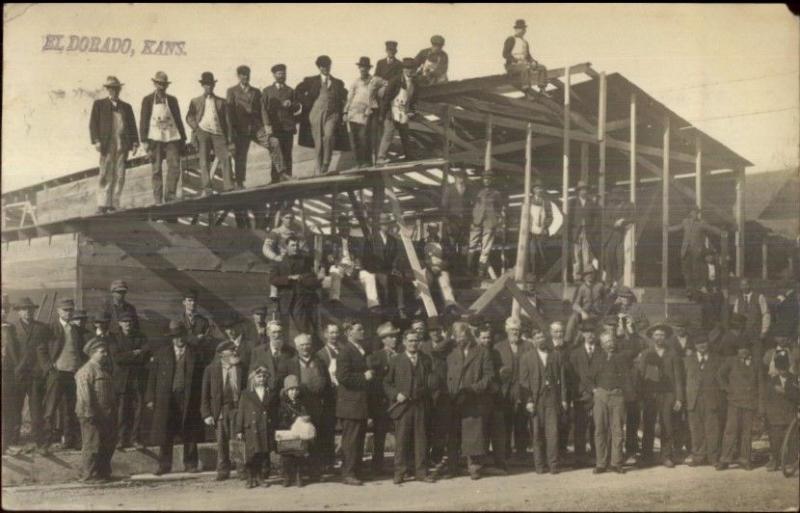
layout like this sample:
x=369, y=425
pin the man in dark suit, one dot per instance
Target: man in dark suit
x=709, y=293
x=61, y=357
x=322, y=97
x=201, y=333
x=210, y=121
x=326, y=430
x=497, y=439
x=396, y=108
x=584, y=222
x=432, y=63
x=298, y=287
x=244, y=102
x=408, y=385
x=112, y=129
x=354, y=379
x=740, y=378
x=130, y=354
x=580, y=362
x=223, y=380
x=703, y=402
x=10, y=358
x=278, y=110
x=26, y=371
x=694, y=231
x=254, y=330
x=779, y=402
x=661, y=374
x=440, y=437
x=469, y=374
x=312, y=373
x=377, y=402
x=272, y=355
x=116, y=306
x=163, y=136
x=381, y=253
x=390, y=66
x=543, y=387
x=487, y=214
x=232, y=328
x=174, y=390
x=509, y=352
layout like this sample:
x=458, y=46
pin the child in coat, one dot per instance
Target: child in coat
x=292, y=408
x=252, y=425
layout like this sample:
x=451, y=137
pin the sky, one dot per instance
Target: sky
x=731, y=70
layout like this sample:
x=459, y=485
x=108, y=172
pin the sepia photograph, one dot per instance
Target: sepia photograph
x=402, y=256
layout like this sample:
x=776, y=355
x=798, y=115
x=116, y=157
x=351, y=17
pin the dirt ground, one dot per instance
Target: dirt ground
x=653, y=489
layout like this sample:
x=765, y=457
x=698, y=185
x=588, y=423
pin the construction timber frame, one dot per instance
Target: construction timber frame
x=586, y=126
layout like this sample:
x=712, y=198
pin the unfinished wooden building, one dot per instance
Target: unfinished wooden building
x=592, y=126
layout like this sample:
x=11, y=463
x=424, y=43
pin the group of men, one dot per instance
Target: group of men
x=365, y=120
x=449, y=395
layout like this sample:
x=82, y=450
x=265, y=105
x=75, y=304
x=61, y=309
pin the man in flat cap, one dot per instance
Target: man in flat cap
x=487, y=214
x=361, y=112
x=112, y=129
x=96, y=409
x=279, y=109
x=223, y=380
x=63, y=356
x=210, y=120
x=583, y=221
x=163, y=136
x=695, y=230
x=174, y=388
x=390, y=66
x=321, y=126
x=661, y=375
x=116, y=306
x=520, y=63
x=244, y=102
x=254, y=330
x=396, y=108
x=432, y=63
x=377, y=402
x=130, y=352
x=29, y=372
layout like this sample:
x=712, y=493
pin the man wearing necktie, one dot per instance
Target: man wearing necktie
x=740, y=378
x=113, y=132
x=279, y=109
x=703, y=402
x=397, y=106
x=223, y=380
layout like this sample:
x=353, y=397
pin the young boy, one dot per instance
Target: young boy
x=779, y=405
x=291, y=409
x=252, y=425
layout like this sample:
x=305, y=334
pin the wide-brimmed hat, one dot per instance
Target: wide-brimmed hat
x=659, y=326
x=92, y=345
x=112, y=82
x=323, y=61
x=386, y=329
x=409, y=63
x=161, y=78
x=364, y=62
x=175, y=329
x=25, y=303
x=207, y=78
x=520, y=23
x=243, y=70
x=118, y=286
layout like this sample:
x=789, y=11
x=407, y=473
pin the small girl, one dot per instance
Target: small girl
x=252, y=425
x=292, y=408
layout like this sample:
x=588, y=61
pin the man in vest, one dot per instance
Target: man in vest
x=546, y=220
x=163, y=136
x=753, y=306
x=520, y=64
x=396, y=108
x=113, y=132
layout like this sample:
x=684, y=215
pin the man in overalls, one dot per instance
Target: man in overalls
x=397, y=106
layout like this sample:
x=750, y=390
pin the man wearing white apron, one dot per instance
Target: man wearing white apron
x=163, y=136
x=396, y=108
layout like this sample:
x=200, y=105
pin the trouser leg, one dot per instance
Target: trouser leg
x=242, y=146
x=386, y=139
x=776, y=434
x=649, y=417
x=172, y=151
x=733, y=423
x=712, y=434
x=550, y=411
x=746, y=436
x=223, y=436
x=497, y=434
x=665, y=415
x=380, y=425
x=617, y=414
x=405, y=140
x=352, y=436
x=224, y=161
x=328, y=138
x=420, y=441
x=577, y=260
x=120, y=159
x=125, y=417
x=602, y=428
x=582, y=419
x=404, y=432
x=697, y=428
x=286, y=141
x=165, y=454
x=487, y=242
x=105, y=180
x=633, y=411
x=368, y=281
x=278, y=164
x=90, y=448
x=204, y=145
x=157, y=151
x=36, y=392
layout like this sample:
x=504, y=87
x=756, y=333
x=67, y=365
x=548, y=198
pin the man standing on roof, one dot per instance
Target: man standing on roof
x=694, y=231
x=396, y=108
x=359, y=112
x=163, y=136
x=389, y=67
x=113, y=132
x=487, y=214
x=244, y=102
x=278, y=111
x=520, y=64
x=432, y=63
x=546, y=220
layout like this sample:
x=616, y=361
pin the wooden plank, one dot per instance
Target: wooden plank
x=522, y=300
x=565, y=181
x=630, y=239
x=490, y=293
x=698, y=172
x=665, y=182
x=524, y=223
x=740, y=222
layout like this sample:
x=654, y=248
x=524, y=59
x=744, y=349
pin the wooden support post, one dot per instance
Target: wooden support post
x=565, y=260
x=740, y=219
x=524, y=221
x=698, y=171
x=630, y=239
x=487, y=158
x=446, y=145
x=724, y=273
x=764, y=255
x=665, y=181
x=601, y=140
x=585, y=162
